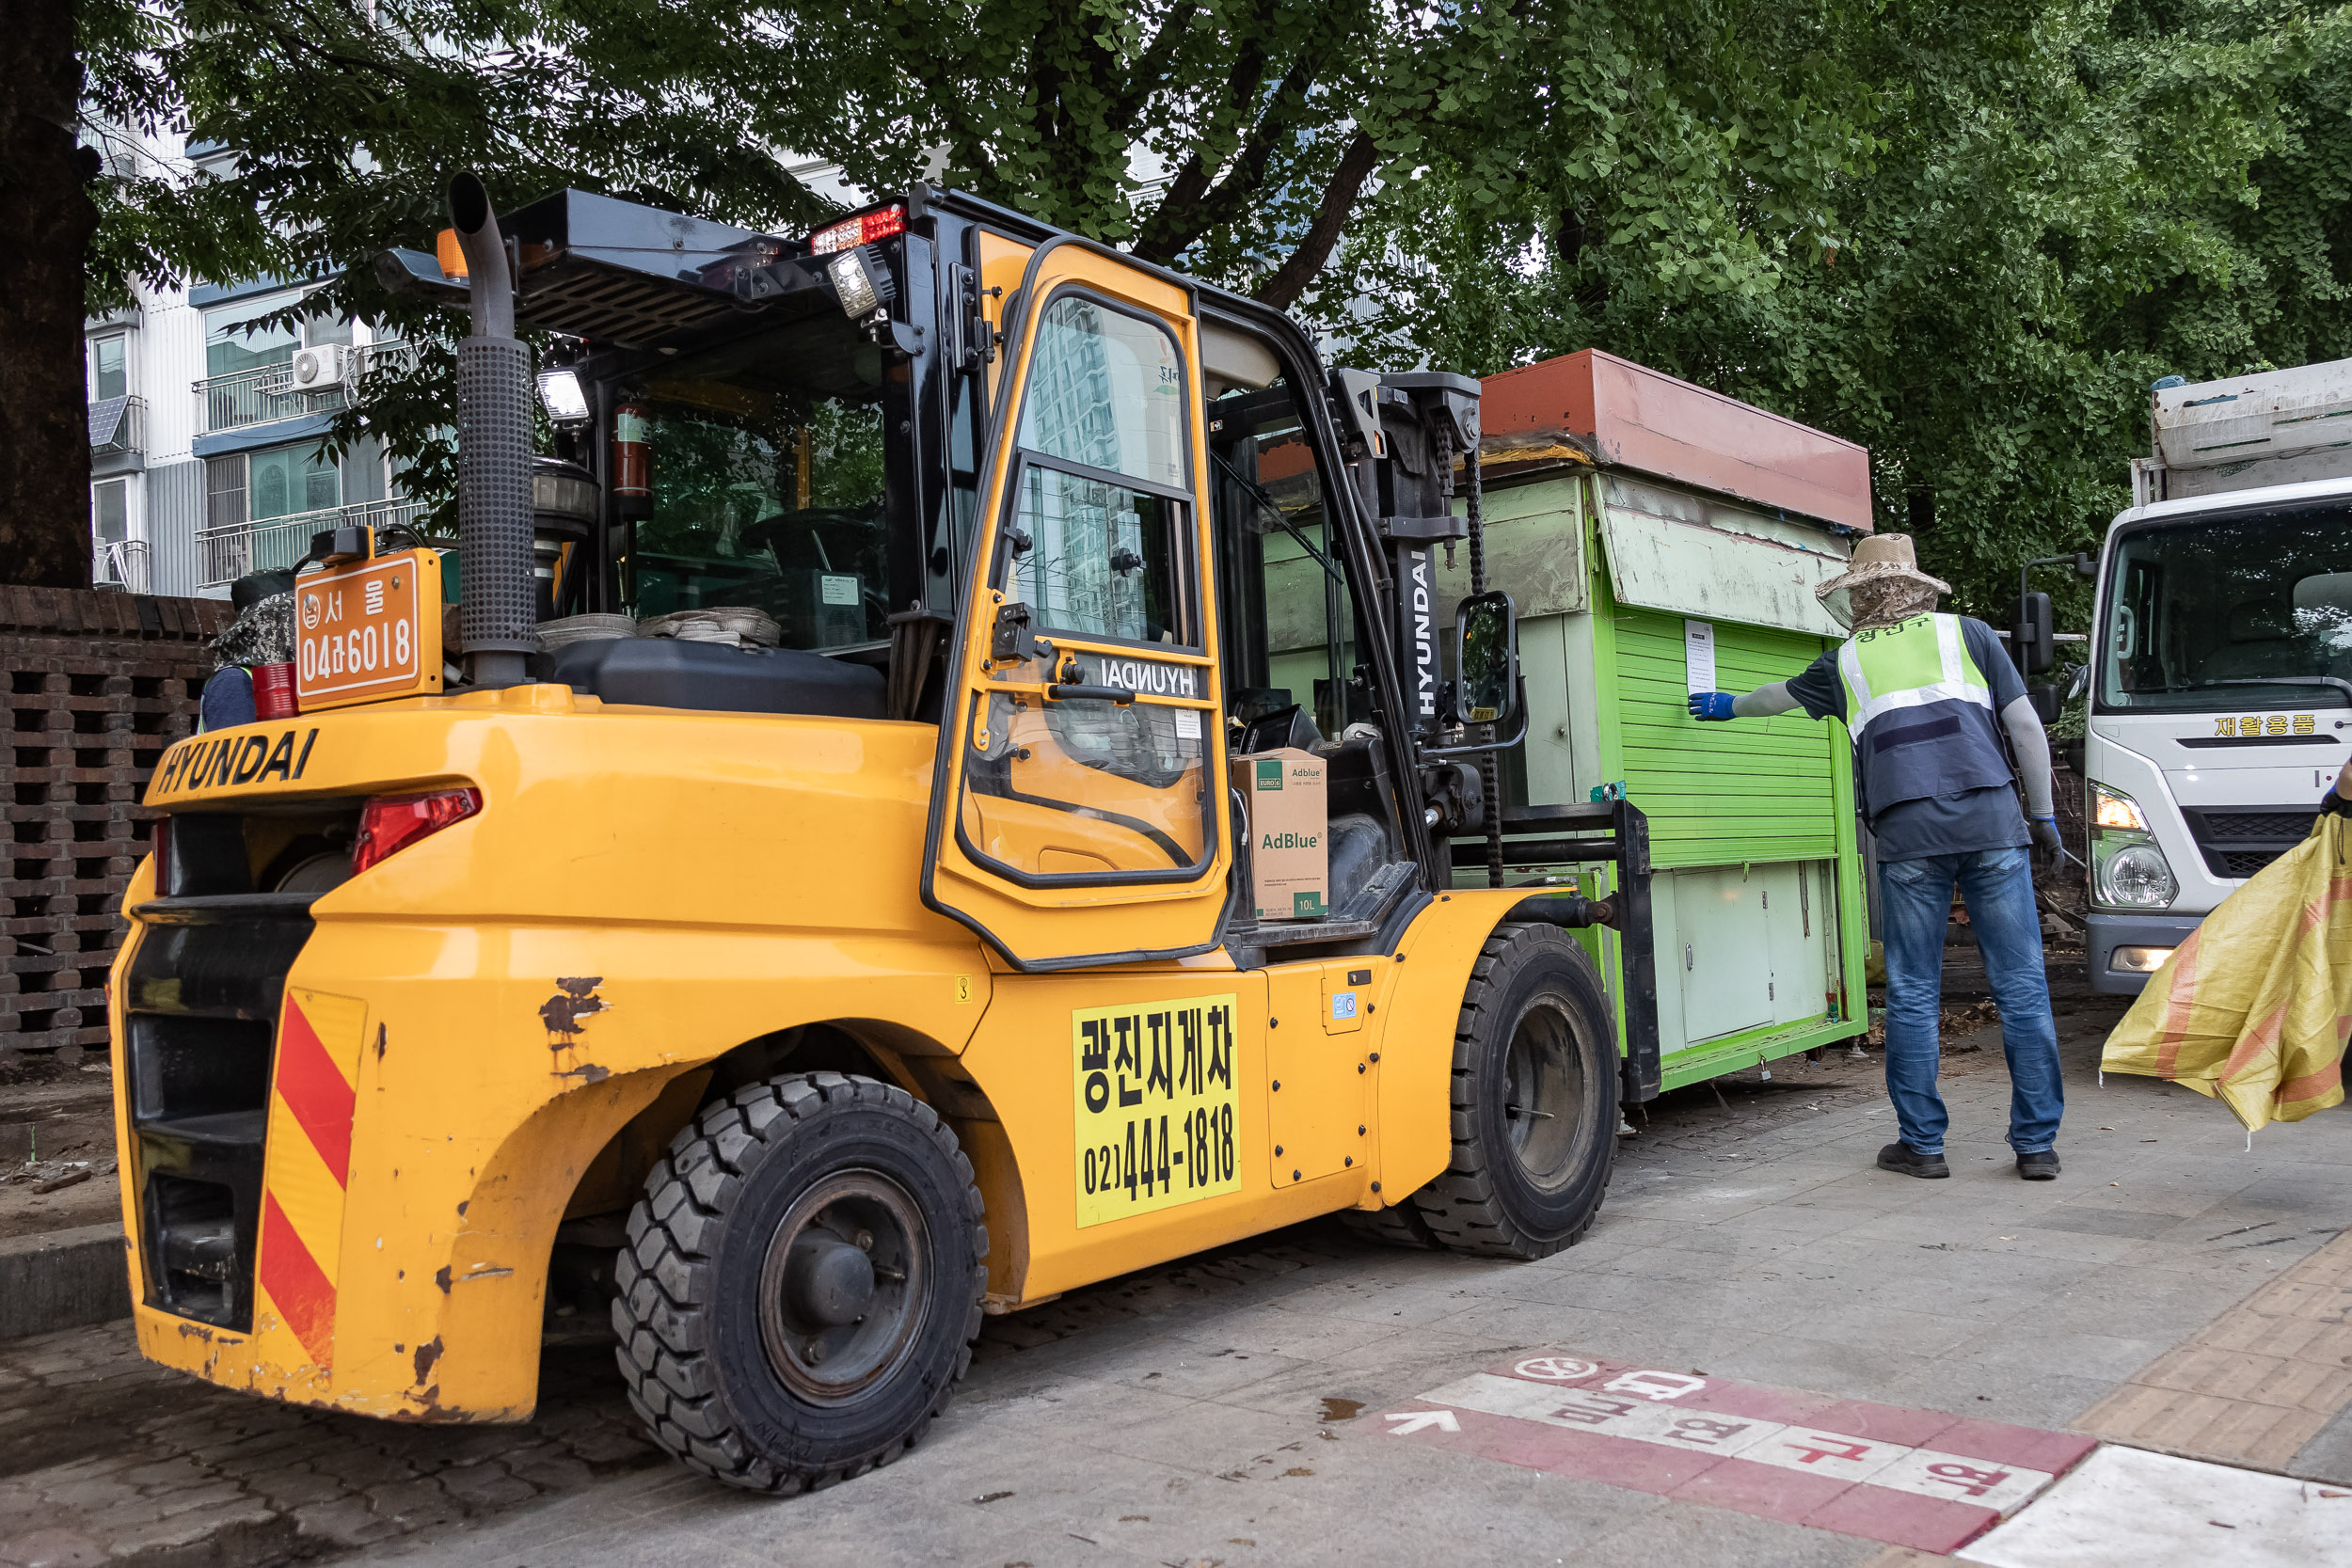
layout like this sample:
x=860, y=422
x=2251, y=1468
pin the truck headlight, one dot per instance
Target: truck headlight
x=2133, y=876
x=2127, y=869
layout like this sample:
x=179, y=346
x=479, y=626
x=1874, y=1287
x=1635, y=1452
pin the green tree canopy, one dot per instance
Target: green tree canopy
x=1967, y=233
x=2059, y=201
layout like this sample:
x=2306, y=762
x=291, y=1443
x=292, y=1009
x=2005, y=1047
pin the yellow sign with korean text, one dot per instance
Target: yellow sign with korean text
x=367, y=630
x=1154, y=1090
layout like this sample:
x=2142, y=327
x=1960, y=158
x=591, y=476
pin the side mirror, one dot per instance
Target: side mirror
x=1486, y=658
x=2080, y=685
x=2033, y=642
x=2086, y=564
x=2045, y=698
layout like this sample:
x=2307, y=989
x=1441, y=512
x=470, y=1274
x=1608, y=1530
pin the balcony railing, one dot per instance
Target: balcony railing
x=118, y=425
x=120, y=564
x=275, y=544
x=266, y=393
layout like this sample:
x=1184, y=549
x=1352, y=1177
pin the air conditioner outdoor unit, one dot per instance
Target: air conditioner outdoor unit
x=319, y=370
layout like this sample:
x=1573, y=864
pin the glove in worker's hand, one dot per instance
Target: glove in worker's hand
x=1711, y=705
x=2046, y=833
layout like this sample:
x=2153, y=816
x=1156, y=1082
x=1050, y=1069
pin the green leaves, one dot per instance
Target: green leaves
x=1968, y=235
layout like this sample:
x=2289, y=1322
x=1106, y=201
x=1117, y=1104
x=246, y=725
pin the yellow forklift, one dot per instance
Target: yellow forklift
x=824, y=990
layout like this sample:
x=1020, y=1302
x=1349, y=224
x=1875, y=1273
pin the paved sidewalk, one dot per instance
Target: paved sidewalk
x=1228, y=1409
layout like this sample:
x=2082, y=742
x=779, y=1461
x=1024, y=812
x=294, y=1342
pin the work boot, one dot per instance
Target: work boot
x=2041, y=1165
x=1906, y=1161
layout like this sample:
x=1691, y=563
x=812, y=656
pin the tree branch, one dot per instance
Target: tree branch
x=1152, y=66
x=1290, y=278
x=1172, y=226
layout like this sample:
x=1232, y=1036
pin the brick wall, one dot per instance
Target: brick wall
x=97, y=686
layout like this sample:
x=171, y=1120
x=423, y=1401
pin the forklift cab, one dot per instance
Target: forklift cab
x=1104, y=526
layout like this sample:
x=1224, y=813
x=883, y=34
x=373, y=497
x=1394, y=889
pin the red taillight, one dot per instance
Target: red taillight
x=274, y=695
x=393, y=822
x=851, y=232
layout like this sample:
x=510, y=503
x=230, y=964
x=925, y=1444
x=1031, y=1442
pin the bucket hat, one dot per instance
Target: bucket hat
x=1887, y=558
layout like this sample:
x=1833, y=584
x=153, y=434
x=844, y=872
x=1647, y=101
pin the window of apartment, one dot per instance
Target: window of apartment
x=283, y=481
x=237, y=338
x=109, y=367
x=110, y=515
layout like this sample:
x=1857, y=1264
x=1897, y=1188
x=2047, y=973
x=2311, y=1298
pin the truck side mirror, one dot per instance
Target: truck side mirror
x=1486, y=658
x=2045, y=698
x=2033, y=642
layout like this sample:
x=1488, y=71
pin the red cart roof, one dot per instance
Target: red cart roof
x=1654, y=423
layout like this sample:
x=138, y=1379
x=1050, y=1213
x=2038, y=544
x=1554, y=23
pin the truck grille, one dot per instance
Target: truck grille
x=2238, y=842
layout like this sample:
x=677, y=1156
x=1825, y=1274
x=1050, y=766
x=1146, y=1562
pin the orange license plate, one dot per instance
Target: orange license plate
x=369, y=630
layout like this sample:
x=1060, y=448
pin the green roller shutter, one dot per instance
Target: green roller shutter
x=1754, y=789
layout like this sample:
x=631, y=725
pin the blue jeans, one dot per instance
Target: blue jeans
x=1915, y=906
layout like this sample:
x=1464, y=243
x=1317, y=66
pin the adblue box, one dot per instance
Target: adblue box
x=1290, y=821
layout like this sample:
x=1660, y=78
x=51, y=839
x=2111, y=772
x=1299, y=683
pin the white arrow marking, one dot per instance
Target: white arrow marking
x=1421, y=1420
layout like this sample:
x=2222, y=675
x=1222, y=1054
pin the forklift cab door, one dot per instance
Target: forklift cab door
x=1079, y=811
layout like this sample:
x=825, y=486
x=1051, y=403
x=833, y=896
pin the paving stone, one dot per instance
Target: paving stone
x=188, y=1529
x=51, y=1548
x=413, y=1504
x=344, y=1521
x=486, y=1487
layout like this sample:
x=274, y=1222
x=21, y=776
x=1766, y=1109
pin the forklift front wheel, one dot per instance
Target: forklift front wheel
x=802, y=1282
x=1534, y=1101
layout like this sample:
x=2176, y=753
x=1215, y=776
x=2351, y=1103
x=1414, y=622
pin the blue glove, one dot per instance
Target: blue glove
x=1711, y=705
x=2044, y=833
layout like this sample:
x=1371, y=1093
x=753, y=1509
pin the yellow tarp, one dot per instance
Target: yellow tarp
x=2254, y=1006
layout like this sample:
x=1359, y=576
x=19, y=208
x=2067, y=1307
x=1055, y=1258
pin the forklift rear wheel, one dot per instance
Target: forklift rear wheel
x=1534, y=1101
x=802, y=1282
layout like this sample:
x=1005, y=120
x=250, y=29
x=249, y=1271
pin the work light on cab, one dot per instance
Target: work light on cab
x=861, y=278
x=393, y=822
x=560, y=391
x=861, y=229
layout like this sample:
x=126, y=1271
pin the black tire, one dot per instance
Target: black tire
x=802, y=1282
x=1534, y=1027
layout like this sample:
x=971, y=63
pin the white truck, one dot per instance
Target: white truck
x=2220, y=676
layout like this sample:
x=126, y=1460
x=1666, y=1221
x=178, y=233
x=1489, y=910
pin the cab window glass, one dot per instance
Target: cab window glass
x=2252, y=610
x=1292, y=634
x=767, y=477
x=1106, y=390
x=1101, y=559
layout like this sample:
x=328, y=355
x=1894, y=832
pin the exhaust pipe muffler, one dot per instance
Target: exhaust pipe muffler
x=500, y=604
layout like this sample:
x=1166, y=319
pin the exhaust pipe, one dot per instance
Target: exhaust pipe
x=501, y=600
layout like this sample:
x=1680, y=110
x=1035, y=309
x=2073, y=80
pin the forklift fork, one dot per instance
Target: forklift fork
x=1615, y=831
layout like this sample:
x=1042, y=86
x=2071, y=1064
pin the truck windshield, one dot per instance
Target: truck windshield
x=766, y=458
x=2248, y=610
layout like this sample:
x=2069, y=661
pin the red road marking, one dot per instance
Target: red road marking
x=2055, y=1451
x=1909, y=1478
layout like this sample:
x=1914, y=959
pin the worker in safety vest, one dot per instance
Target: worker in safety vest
x=1919, y=691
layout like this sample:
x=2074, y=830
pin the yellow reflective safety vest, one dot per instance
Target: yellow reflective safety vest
x=1920, y=711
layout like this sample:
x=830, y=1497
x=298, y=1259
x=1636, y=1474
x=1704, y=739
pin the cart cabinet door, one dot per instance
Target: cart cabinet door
x=1080, y=817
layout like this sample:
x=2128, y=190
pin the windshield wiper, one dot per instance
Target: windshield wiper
x=2342, y=686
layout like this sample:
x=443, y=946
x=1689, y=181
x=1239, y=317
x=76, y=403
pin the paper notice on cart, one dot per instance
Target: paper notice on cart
x=1698, y=653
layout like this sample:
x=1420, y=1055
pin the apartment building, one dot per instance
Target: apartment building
x=205, y=426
